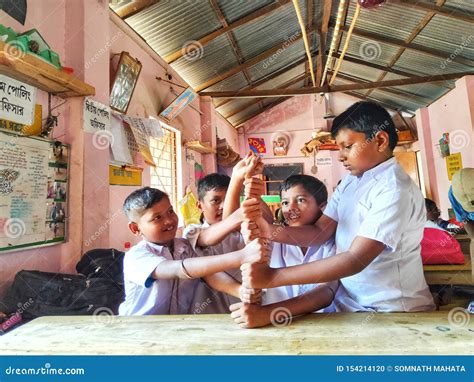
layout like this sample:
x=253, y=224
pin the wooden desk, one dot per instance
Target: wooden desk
x=450, y=274
x=338, y=333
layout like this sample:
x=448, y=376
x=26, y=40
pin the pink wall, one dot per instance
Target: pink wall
x=95, y=216
x=454, y=114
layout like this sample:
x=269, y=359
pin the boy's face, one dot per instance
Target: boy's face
x=299, y=207
x=432, y=213
x=158, y=224
x=212, y=205
x=358, y=153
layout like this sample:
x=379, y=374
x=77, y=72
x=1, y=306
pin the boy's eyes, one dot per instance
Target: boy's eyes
x=348, y=147
x=301, y=200
x=285, y=203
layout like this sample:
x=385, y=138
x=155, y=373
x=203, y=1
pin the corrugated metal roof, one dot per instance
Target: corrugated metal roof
x=276, y=28
x=279, y=60
x=168, y=25
x=389, y=20
x=234, y=10
x=424, y=64
x=217, y=58
x=448, y=35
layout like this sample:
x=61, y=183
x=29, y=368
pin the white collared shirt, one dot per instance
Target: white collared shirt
x=207, y=300
x=145, y=295
x=286, y=255
x=383, y=205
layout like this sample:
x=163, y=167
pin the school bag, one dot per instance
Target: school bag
x=34, y=294
x=439, y=247
x=102, y=262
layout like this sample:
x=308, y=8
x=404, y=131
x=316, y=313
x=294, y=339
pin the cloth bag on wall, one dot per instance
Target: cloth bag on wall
x=189, y=210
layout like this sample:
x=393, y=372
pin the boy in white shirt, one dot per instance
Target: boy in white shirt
x=161, y=272
x=377, y=215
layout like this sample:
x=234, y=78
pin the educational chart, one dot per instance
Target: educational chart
x=33, y=192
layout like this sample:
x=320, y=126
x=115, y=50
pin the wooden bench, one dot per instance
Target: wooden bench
x=453, y=274
x=334, y=333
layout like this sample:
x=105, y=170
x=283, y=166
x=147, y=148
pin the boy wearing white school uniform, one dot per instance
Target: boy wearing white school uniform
x=377, y=215
x=161, y=272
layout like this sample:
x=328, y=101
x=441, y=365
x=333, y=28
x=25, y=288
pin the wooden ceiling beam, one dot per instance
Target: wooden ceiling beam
x=284, y=86
x=134, y=7
x=254, y=16
x=309, y=26
x=336, y=88
x=265, y=79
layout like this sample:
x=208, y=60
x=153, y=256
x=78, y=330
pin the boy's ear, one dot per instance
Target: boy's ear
x=323, y=205
x=199, y=205
x=133, y=227
x=383, y=140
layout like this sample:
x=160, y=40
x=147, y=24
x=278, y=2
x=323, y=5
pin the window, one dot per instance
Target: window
x=167, y=174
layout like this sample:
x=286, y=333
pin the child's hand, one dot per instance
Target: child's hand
x=254, y=188
x=251, y=209
x=250, y=296
x=249, y=231
x=250, y=316
x=257, y=251
x=240, y=169
x=254, y=166
x=257, y=275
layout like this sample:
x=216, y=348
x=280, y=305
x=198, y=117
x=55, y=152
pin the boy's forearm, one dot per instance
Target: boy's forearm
x=217, y=232
x=232, y=199
x=223, y=282
x=345, y=264
x=318, y=298
x=198, y=267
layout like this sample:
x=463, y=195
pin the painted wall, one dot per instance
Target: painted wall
x=95, y=215
x=454, y=114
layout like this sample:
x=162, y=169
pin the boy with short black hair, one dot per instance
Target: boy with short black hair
x=377, y=215
x=161, y=271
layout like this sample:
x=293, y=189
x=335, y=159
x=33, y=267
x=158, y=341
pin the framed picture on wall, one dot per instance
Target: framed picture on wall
x=123, y=85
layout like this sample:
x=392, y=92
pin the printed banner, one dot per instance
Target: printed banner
x=17, y=101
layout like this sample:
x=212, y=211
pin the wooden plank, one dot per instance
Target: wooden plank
x=254, y=16
x=265, y=80
x=285, y=85
x=134, y=7
x=307, y=45
x=333, y=89
x=429, y=333
x=309, y=25
x=34, y=71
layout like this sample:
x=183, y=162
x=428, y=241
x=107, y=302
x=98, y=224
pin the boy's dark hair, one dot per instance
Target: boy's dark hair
x=140, y=200
x=311, y=184
x=430, y=205
x=212, y=182
x=368, y=118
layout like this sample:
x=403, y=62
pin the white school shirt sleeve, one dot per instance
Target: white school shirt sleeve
x=191, y=233
x=139, y=264
x=387, y=218
x=331, y=208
